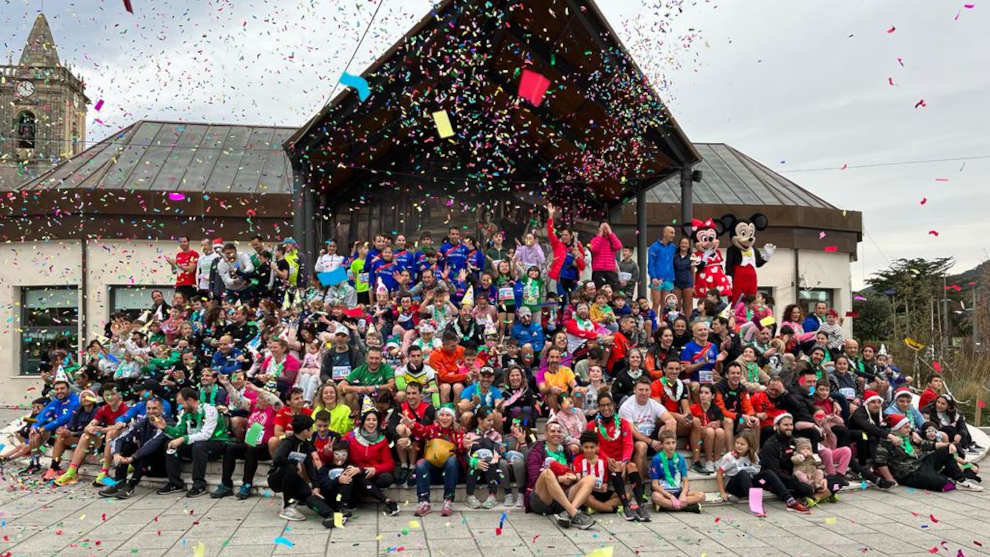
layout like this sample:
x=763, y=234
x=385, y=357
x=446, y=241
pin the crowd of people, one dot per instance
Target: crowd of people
x=401, y=364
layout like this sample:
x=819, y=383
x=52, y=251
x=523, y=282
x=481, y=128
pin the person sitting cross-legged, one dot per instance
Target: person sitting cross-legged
x=141, y=446
x=200, y=432
x=552, y=488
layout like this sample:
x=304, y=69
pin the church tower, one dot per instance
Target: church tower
x=42, y=110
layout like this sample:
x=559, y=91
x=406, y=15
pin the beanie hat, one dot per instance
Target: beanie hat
x=870, y=396
x=446, y=409
x=896, y=421
x=779, y=417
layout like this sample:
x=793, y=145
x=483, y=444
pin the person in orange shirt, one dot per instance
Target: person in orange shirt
x=448, y=363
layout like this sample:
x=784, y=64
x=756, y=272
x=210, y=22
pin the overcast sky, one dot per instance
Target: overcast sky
x=800, y=86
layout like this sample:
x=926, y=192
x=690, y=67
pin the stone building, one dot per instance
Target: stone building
x=42, y=110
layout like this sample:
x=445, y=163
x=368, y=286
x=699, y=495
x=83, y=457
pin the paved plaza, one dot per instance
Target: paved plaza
x=75, y=521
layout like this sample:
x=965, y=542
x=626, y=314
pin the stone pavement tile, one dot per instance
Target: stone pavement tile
x=967, y=539
x=635, y=540
x=886, y=543
x=302, y=543
x=913, y=530
x=352, y=548
x=153, y=539
x=88, y=550
x=43, y=541
x=213, y=528
x=213, y=547
x=241, y=550
x=413, y=539
x=254, y=536
x=141, y=553
x=843, y=525
x=458, y=546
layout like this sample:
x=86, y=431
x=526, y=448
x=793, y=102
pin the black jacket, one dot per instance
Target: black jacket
x=280, y=460
x=776, y=455
x=796, y=405
x=861, y=422
x=141, y=432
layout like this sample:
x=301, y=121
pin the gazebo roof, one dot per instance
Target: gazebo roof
x=601, y=133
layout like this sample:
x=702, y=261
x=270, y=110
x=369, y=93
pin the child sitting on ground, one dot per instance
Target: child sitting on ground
x=603, y=499
x=668, y=470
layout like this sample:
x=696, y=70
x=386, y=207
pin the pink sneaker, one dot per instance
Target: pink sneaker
x=51, y=474
x=448, y=508
x=423, y=509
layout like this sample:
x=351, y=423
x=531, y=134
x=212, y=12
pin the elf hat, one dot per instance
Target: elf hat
x=447, y=408
x=869, y=396
x=896, y=421
x=779, y=417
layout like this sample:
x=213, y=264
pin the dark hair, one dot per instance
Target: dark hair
x=448, y=335
x=418, y=386
x=709, y=386
x=596, y=353
x=731, y=365
x=413, y=348
x=588, y=436
x=322, y=416
x=293, y=391
x=188, y=392
x=229, y=245
x=603, y=395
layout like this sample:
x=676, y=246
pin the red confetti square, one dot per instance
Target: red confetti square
x=533, y=87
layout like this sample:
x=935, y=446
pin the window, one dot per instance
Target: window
x=767, y=292
x=807, y=298
x=25, y=130
x=49, y=320
x=135, y=300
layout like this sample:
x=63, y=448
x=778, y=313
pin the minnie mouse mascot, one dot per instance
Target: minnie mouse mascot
x=741, y=260
x=709, y=275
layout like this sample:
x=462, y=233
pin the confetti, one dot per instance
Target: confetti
x=933, y=233
x=844, y=166
x=941, y=179
x=831, y=249
x=821, y=235
x=98, y=105
x=937, y=367
x=128, y=7
x=601, y=552
x=923, y=200
x=442, y=121
x=892, y=29
x=901, y=62
x=282, y=541
x=200, y=550
x=356, y=82
x=532, y=87
x=414, y=524
x=175, y=196
x=920, y=104
x=830, y=520
x=932, y=518
x=859, y=298
x=890, y=81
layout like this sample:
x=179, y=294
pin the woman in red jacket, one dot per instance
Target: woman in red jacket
x=450, y=470
x=369, y=451
x=615, y=446
x=568, y=257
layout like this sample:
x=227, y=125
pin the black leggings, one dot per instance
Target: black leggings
x=937, y=469
x=489, y=477
x=959, y=429
x=784, y=487
x=294, y=488
x=251, y=456
x=740, y=484
x=362, y=485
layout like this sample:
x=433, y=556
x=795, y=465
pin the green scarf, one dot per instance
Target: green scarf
x=666, y=469
x=558, y=456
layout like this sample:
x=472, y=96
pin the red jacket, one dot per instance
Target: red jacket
x=619, y=449
x=370, y=455
x=762, y=403
x=927, y=397
x=603, y=252
x=560, y=253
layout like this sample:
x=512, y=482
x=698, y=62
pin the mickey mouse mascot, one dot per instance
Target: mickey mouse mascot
x=741, y=260
x=708, y=259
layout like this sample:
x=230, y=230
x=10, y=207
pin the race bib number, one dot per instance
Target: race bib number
x=848, y=392
x=340, y=372
x=363, y=277
x=705, y=376
x=505, y=294
x=625, y=277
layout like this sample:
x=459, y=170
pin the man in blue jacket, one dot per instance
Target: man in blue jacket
x=814, y=321
x=528, y=332
x=228, y=359
x=141, y=446
x=660, y=266
x=54, y=415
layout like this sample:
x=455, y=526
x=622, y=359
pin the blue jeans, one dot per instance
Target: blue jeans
x=427, y=474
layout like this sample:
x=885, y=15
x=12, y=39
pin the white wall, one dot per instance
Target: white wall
x=28, y=264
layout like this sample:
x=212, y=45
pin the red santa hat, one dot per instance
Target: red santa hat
x=218, y=241
x=897, y=421
x=871, y=395
x=902, y=391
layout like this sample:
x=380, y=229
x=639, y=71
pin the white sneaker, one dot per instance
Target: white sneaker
x=490, y=502
x=967, y=485
x=291, y=513
x=520, y=501
x=510, y=500
x=473, y=502
x=710, y=467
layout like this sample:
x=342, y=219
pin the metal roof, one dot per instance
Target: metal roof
x=179, y=156
x=729, y=177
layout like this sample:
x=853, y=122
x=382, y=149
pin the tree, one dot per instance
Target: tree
x=873, y=322
x=915, y=289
